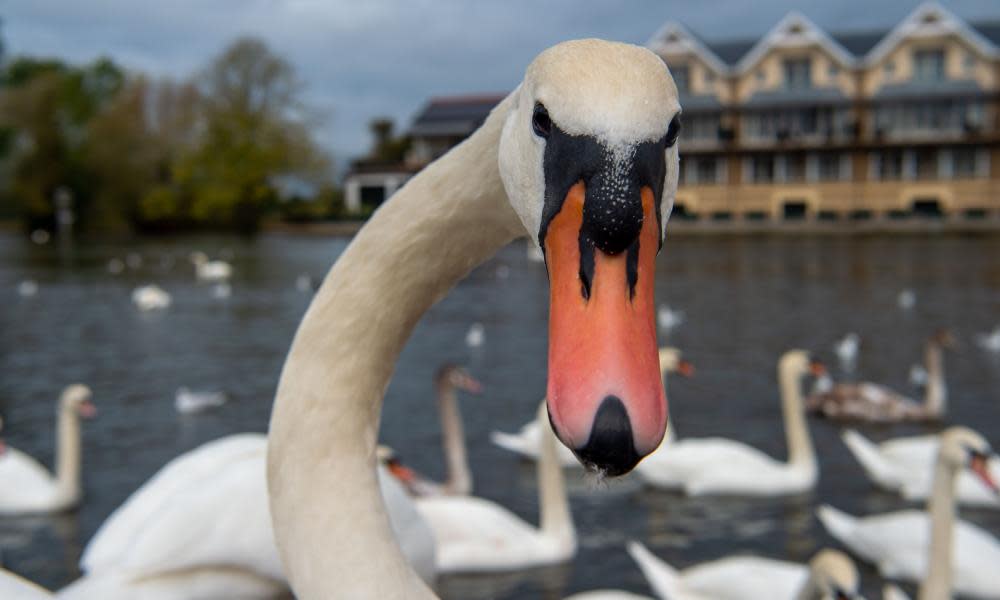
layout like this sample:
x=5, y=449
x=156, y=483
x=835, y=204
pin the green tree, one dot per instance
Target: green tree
x=387, y=147
x=255, y=130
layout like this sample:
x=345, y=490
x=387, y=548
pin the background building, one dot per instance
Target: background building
x=802, y=124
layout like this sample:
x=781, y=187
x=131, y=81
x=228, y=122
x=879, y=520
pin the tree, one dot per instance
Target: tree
x=387, y=148
x=255, y=130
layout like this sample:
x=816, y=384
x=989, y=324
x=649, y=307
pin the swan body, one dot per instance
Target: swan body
x=334, y=539
x=906, y=299
x=190, y=402
x=906, y=466
x=948, y=557
x=26, y=487
x=477, y=535
x=150, y=297
x=740, y=577
x=847, y=350
x=475, y=336
x=606, y=595
x=183, y=532
x=27, y=288
x=526, y=441
x=15, y=587
x=210, y=270
x=880, y=404
x=989, y=341
x=722, y=466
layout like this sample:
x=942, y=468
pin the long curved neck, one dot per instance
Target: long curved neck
x=935, y=394
x=937, y=585
x=800, y=448
x=459, y=479
x=330, y=524
x=68, y=455
x=554, y=513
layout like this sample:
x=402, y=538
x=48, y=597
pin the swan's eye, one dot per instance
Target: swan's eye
x=672, y=131
x=541, y=124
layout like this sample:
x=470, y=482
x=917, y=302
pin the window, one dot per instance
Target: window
x=926, y=163
x=762, y=169
x=888, y=69
x=705, y=170
x=798, y=73
x=682, y=78
x=828, y=166
x=890, y=165
x=795, y=167
x=928, y=65
x=963, y=162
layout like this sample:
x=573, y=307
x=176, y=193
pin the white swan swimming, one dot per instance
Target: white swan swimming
x=906, y=466
x=963, y=558
x=668, y=318
x=200, y=528
x=829, y=575
x=27, y=288
x=151, y=297
x=28, y=487
x=458, y=481
x=722, y=466
x=591, y=129
x=210, y=270
x=989, y=341
x=477, y=535
x=877, y=403
x=188, y=402
x=847, y=350
x=475, y=336
x=526, y=441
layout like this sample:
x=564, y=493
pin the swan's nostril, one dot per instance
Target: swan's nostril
x=611, y=447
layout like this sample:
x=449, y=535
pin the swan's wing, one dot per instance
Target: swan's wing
x=411, y=530
x=221, y=519
x=916, y=451
x=974, y=564
x=740, y=577
x=15, y=587
x=895, y=542
x=194, y=468
x=694, y=463
x=473, y=534
x=24, y=483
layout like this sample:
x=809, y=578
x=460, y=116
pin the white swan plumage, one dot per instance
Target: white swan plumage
x=15, y=587
x=210, y=270
x=931, y=547
x=187, y=401
x=28, y=487
x=847, y=350
x=722, y=466
x=151, y=297
x=829, y=574
x=906, y=466
x=620, y=102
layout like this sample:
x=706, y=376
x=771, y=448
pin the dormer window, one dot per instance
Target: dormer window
x=928, y=65
x=798, y=73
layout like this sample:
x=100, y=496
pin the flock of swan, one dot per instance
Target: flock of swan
x=582, y=158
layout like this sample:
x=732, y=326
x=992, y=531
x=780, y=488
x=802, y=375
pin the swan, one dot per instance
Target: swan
x=906, y=465
x=963, y=557
x=668, y=318
x=475, y=336
x=877, y=403
x=188, y=402
x=200, y=527
x=27, y=288
x=26, y=486
x=477, y=535
x=906, y=299
x=918, y=375
x=15, y=587
x=847, y=350
x=989, y=341
x=210, y=270
x=459, y=480
x=722, y=466
x=150, y=297
x=526, y=441
x=581, y=156
x=830, y=574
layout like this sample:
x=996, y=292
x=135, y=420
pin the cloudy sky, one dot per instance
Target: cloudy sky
x=364, y=58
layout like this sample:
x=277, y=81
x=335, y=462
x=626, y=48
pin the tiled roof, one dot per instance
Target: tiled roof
x=454, y=115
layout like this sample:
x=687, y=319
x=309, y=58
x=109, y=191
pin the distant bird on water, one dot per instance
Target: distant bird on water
x=27, y=288
x=188, y=402
x=668, y=318
x=150, y=297
x=907, y=299
x=847, y=350
x=476, y=335
x=989, y=341
x=210, y=270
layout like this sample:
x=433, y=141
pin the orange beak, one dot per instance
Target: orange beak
x=981, y=467
x=403, y=474
x=87, y=409
x=605, y=396
x=685, y=369
x=817, y=368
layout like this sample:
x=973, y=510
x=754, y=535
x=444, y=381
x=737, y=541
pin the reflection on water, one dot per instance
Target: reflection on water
x=745, y=301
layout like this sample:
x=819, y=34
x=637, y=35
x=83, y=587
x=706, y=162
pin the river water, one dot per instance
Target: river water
x=745, y=301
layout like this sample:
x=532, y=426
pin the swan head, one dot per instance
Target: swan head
x=944, y=338
x=76, y=398
x=834, y=576
x=671, y=362
x=800, y=364
x=963, y=448
x=588, y=158
x=457, y=377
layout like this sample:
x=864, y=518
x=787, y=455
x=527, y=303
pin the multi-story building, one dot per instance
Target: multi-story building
x=802, y=123
x=806, y=124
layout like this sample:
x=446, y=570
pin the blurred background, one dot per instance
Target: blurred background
x=175, y=180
